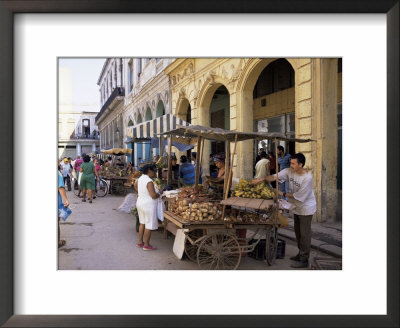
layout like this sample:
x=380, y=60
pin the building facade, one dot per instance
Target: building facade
x=300, y=97
x=148, y=97
x=112, y=93
x=77, y=131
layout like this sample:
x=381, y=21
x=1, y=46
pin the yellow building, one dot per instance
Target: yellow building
x=296, y=96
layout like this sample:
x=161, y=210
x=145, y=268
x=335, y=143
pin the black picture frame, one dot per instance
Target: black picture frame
x=7, y=11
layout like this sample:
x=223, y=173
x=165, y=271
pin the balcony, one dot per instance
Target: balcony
x=116, y=96
x=87, y=136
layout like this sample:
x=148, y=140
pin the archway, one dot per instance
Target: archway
x=139, y=145
x=214, y=111
x=160, y=111
x=130, y=145
x=273, y=104
x=260, y=100
x=147, y=145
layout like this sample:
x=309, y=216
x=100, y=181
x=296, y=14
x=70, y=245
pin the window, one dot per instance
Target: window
x=86, y=128
x=130, y=75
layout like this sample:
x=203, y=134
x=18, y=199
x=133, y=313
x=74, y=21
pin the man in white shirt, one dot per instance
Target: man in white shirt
x=66, y=171
x=262, y=166
x=302, y=196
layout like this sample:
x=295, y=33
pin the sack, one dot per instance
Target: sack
x=160, y=210
x=63, y=212
x=79, y=178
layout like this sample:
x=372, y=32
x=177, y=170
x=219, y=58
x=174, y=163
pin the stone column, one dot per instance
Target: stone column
x=78, y=149
x=324, y=107
x=93, y=148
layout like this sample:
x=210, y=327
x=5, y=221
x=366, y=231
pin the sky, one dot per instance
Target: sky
x=84, y=90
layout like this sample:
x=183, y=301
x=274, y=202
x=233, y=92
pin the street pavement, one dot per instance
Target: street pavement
x=98, y=237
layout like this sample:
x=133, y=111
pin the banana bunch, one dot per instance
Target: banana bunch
x=247, y=190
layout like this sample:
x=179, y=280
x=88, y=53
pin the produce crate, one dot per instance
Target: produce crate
x=259, y=251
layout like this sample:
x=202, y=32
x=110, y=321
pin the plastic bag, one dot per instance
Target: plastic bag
x=63, y=212
x=79, y=178
x=160, y=210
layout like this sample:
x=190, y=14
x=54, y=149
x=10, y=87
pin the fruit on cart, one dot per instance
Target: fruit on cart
x=259, y=191
x=196, y=211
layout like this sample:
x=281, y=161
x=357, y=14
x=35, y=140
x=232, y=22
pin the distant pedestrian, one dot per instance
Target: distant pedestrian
x=87, y=179
x=146, y=205
x=77, y=167
x=66, y=172
x=272, y=166
x=258, y=157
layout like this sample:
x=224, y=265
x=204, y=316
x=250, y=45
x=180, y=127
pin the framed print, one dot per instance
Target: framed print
x=18, y=310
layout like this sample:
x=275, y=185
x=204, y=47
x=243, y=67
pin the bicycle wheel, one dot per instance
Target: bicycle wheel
x=75, y=187
x=103, y=188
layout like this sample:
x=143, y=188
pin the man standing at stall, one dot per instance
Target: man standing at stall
x=301, y=195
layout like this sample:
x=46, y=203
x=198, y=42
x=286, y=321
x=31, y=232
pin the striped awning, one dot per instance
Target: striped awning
x=152, y=129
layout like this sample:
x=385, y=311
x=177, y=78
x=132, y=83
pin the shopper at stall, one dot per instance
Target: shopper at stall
x=88, y=172
x=262, y=166
x=258, y=157
x=146, y=205
x=187, y=173
x=301, y=195
x=174, y=168
x=283, y=163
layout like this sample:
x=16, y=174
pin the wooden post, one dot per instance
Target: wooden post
x=169, y=179
x=160, y=155
x=196, y=183
x=276, y=183
x=200, y=156
x=227, y=158
x=229, y=183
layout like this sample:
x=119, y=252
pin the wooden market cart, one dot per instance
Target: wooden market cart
x=215, y=244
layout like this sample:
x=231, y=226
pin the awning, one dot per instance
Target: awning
x=193, y=131
x=117, y=151
x=152, y=129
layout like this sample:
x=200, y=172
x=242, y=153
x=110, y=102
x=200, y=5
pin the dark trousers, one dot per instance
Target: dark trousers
x=68, y=182
x=302, y=229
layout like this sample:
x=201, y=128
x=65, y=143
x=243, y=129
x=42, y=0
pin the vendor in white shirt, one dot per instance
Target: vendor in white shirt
x=301, y=195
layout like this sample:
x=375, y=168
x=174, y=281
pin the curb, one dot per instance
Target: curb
x=315, y=244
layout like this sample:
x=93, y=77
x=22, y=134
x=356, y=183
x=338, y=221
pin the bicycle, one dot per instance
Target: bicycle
x=101, y=189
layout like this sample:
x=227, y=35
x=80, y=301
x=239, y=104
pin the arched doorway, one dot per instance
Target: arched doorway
x=147, y=146
x=273, y=103
x=130, y=145
x=160, y=111
x=219, y=116
x=139, y=145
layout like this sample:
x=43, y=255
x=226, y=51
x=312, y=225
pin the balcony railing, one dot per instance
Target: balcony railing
x=87, y=136
x=117, y=92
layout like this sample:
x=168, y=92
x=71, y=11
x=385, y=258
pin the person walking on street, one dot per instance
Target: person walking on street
x=87, y=180
x=146, y=205
x=283, y=163
x=66, y=172
x=62, y=200
x=301, y=195
x=77, y=167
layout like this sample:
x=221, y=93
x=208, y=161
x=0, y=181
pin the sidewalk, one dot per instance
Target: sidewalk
x=326, y=236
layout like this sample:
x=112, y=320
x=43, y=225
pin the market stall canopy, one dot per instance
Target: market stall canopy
x=117, y=151
x=152, y=129
x=189, y=134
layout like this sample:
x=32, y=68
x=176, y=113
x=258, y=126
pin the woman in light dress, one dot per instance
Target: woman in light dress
x=146, y=205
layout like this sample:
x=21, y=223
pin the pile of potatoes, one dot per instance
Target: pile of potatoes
x=205, y=211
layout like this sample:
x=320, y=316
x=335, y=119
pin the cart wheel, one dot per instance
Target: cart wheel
x=219, y=251
x=190, y=249
x=271, y=244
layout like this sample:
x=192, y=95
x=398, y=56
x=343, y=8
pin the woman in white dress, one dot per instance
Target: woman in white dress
x=147, y=207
